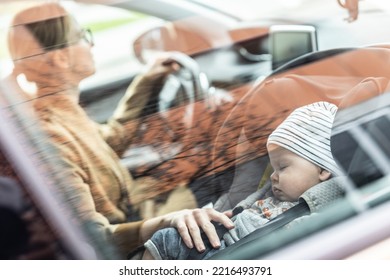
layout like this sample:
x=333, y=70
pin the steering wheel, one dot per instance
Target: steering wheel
x=183, y=87
x=189, y=84
x=169, y=115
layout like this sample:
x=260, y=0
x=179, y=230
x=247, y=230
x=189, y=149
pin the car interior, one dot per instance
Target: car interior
x=208, y=125
x=255, y=53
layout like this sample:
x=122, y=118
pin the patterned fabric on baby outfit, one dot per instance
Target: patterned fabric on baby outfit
x=259, y=213
x=270, y=207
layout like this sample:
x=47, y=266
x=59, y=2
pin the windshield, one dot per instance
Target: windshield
x=294, y=9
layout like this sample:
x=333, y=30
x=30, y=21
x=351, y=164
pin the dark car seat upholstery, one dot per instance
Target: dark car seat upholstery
x=14, y=234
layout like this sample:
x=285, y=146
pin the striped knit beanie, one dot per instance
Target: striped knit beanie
x=306, y=132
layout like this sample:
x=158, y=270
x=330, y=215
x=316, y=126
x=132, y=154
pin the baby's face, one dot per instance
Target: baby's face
x=292, y=175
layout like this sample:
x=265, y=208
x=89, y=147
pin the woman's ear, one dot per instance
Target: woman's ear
x=324, y=175
x=60, y=58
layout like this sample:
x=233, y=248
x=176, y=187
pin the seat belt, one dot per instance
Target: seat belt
x=287, y=216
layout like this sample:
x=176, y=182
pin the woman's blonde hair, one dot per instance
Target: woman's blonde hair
x=39, y=29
